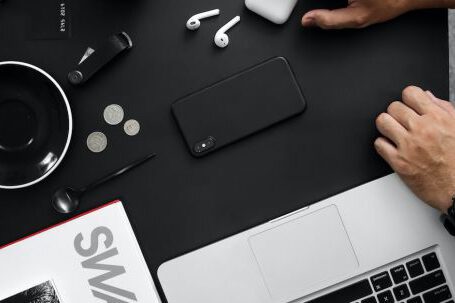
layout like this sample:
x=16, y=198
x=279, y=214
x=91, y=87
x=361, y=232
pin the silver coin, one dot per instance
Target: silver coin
x=132, y=127
x=113, y=114
x=97, y=142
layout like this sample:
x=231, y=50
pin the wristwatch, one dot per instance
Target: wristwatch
x=451, y=210
x=449, y=219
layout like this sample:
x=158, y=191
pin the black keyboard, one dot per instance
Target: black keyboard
x=417, y=280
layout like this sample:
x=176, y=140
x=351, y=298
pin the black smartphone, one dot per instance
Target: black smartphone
x=239, y=106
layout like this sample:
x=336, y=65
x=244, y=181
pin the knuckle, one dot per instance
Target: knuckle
x=409, y=91
x=361, y=20
x=326, y=22
x=437, y=117
x=411, y=123
x=414, y=148
x=418, y=123
x=421, y=131
x=450, y=110
x=380, y=119
x=427, y=134
x=400, y=166
x=393, y=106
x=379, y=145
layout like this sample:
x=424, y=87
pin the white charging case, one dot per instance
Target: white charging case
x=277, y=11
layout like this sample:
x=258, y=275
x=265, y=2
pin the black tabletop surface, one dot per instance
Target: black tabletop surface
x=177, y=203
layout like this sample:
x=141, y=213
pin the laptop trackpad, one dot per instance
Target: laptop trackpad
x=303, y=253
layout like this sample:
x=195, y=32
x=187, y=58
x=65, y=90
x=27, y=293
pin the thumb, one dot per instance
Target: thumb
x=349, y=17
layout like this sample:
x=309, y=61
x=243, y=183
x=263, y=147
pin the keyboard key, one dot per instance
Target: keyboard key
x=415, y=268
x=369, y=300
x=431, y=261
x=386, y=297
x=437, y=295
x=415, y=300
x=399, y=274
x=381, y=281
x=427, y=282
x=349, y=293
x=401, y=292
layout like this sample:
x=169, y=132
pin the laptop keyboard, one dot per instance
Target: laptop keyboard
x=417, y=280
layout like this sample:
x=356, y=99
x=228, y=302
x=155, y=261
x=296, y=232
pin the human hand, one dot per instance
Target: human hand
x=358, y=14
x=419, y=144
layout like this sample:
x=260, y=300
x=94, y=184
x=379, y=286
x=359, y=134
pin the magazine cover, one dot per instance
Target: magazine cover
x=93, y=257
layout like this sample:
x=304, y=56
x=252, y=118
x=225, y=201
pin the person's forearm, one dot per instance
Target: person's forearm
x=423, y=4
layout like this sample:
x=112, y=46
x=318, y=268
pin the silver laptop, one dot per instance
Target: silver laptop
x=374, y=243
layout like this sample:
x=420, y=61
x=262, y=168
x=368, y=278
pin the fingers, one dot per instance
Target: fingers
x=350, y=17
x=418, y=100
x=403, y=114
x=447, y=106
x=386, y=150
x=390, y=128
x=400, y=118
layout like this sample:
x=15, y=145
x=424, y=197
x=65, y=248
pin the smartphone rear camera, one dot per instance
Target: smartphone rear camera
x=204, y=145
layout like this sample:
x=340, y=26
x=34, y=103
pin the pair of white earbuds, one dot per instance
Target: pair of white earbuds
x=221, y=39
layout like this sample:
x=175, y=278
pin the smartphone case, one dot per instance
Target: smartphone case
x=239, y=106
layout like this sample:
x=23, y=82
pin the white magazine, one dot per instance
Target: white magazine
x=93, y=257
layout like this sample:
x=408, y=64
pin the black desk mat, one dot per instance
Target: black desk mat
x=178, y=203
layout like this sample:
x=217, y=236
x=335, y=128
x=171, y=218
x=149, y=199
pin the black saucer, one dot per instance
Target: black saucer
x=35, y=125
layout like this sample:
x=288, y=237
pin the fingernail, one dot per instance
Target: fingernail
x=310, y=14
x=308, y=21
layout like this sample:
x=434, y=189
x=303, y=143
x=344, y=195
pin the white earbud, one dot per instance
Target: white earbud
x=195, y=22
x=221, y=39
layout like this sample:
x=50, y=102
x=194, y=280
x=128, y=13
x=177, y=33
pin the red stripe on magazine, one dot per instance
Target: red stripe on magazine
x=58, y=224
